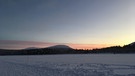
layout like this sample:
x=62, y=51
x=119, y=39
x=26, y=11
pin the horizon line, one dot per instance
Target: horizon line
x=21, y=44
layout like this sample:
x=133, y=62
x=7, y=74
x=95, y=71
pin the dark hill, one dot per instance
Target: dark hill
x=131, y=45
x=60, y=47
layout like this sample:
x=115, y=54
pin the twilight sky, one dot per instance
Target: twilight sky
x=78, y=23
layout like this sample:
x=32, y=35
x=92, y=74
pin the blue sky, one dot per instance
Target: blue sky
x=68, y=21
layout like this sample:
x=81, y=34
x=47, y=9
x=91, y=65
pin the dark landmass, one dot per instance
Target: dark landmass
x=63, y=49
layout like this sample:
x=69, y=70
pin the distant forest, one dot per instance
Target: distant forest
x=47, y=51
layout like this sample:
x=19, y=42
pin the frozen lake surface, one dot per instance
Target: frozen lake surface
x=68, y=65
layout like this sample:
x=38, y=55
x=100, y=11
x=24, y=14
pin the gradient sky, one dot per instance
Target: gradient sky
x=74, y=22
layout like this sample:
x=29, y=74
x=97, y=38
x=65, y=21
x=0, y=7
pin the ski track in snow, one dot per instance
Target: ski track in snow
x=32, y=66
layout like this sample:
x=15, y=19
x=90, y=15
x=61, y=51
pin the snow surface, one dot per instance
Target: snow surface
x=68, y=65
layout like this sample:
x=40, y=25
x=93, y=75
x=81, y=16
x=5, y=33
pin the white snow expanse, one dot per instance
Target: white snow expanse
x=68, y=65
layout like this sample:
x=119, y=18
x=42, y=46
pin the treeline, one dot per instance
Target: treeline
x=41, y=51
x=47, y=51
x=114, y=50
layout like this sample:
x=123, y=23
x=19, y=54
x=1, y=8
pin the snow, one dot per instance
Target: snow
x=68, y=65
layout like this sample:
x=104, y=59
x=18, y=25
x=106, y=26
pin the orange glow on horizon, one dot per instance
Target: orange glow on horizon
x=10, y=44
x=88, y=46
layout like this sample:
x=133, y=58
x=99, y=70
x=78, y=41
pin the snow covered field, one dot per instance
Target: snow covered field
x=68, y=65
